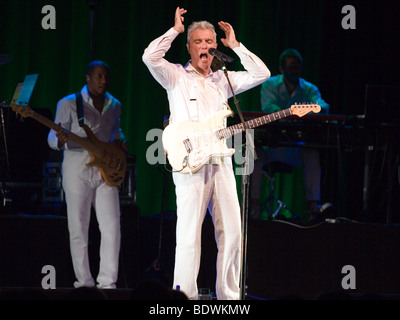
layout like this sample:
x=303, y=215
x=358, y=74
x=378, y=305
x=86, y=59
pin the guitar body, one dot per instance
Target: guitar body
x=190, y=145
x=109, y=158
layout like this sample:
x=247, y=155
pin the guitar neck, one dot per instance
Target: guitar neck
x=253, y=123
x=84, y=143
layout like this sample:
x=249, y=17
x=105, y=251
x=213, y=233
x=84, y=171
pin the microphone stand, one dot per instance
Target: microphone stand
x=5, y=158
x=245, y=189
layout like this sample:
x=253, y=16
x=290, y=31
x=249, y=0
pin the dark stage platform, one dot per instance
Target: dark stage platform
x=284, y=259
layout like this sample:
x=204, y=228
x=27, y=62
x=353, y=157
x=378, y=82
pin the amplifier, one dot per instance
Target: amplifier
x=52, y=183
x=53, y=190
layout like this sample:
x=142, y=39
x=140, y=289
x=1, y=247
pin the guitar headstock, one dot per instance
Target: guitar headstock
x=24, y=111
x=304, y=108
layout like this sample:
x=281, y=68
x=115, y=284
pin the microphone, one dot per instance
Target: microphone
x=221, y=56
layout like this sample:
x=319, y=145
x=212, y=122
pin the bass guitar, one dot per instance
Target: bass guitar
x=109, y=157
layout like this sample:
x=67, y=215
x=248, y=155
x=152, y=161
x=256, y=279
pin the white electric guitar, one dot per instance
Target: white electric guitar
x=190, y=145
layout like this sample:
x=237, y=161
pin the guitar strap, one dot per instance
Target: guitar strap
x=79, y=108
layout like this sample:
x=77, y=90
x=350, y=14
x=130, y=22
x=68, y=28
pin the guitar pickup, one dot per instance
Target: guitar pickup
x=187, y=145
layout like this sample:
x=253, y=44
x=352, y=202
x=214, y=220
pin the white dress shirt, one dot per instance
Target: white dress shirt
x=193, y=97
x=105, y=125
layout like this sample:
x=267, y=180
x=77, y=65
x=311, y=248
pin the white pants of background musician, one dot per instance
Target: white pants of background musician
x=80, y=195
x=306, y=157
x=212, y=187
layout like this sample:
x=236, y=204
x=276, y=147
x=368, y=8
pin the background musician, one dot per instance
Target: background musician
x=84, y=186
x=277, y=93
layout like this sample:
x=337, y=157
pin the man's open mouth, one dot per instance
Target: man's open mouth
x=203, y=56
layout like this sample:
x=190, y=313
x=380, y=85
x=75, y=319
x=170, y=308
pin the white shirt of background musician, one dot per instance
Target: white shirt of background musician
x=275, y=96
x=195, y=98
x=105, y=125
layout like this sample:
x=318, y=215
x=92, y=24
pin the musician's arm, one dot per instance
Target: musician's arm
x=53, y=139
x=269, y=99
x=153, y=57
x=121, y=140
x=58, y=139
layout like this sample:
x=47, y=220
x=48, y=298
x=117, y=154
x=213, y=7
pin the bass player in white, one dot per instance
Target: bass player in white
x=196, y=93
x=83, y=185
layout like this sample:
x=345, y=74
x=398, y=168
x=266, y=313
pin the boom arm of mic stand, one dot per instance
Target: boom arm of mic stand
x=245, y=191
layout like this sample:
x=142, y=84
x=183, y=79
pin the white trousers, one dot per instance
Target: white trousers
x=212, y=187
x=80, y=195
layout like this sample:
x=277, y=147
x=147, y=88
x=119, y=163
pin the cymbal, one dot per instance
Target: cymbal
x=5, y=58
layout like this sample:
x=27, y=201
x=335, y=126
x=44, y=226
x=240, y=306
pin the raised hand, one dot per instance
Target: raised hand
x=178, y=26
x=230, y=37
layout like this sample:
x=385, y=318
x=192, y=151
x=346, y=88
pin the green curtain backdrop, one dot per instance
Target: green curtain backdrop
x=339, y=61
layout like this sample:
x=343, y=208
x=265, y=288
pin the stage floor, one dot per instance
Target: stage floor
x=283, y=259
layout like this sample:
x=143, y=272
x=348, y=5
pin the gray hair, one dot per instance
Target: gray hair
x=204, y=25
